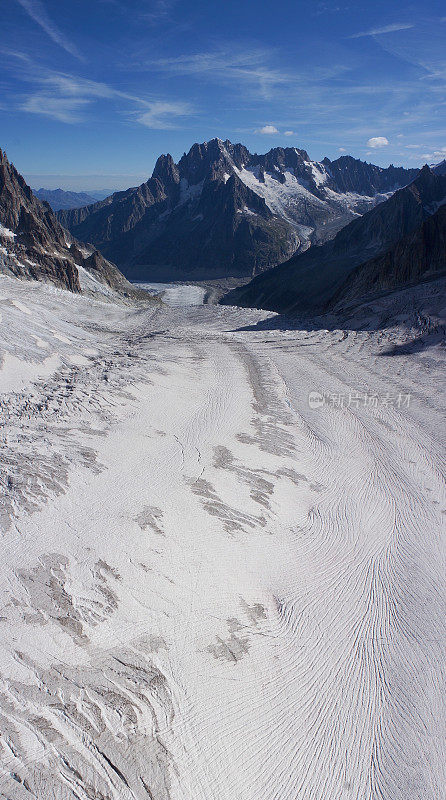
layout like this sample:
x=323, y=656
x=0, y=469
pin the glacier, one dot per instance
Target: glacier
x=213, y=588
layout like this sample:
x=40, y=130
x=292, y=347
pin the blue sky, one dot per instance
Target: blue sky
x=92, y=92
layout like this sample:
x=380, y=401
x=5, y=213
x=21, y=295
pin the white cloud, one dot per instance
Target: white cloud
x=267, y=130
x=38, y=13
x=64, y=109
x=342, y=149
x=377, y=141
x=160, y=113
x=397, y=26
x=289, y=133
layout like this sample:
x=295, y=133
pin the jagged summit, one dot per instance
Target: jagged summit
x=223, y=211
x=166, y=169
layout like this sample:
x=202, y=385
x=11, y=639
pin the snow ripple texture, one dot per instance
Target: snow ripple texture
x=211, y=590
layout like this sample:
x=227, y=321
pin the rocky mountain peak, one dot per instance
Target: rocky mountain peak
x=166, y=169
x=212, y=160
x=428, y=188
x=426, y=176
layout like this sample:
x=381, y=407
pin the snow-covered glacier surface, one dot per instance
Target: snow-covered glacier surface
x=221, y=565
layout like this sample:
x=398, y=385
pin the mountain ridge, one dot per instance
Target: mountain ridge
x=64, y=199
x=222, y=211
x=309, y=281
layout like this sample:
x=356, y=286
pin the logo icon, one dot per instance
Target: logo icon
x=316, y=400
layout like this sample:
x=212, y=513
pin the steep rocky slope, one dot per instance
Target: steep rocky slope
x=222, y=211
x=308, y=281
x=34, y=245
x=417, y=257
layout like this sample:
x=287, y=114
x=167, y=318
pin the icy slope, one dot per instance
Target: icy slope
x=210, y=589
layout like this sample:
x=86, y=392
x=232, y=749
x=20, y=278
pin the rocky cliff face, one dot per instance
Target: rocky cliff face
x=34, y=245
x=395, y=242
x=222, y=211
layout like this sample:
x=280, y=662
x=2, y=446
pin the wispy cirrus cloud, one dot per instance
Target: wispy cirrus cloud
x=159, y=114
x=228, y=65
x=67, y=98
x=435, y=155
x=39, y=14
x=63, y=109
x=396, y=26
x=158, y=11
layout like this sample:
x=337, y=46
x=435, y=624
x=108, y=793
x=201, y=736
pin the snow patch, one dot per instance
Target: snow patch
x=6, y=233
x=319, y=172
x=248, y=211
x=284, y=199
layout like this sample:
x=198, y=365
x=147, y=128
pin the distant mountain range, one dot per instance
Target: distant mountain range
x=225, y=212
x=401, y=241
x=61, y=199
x=34, y=245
